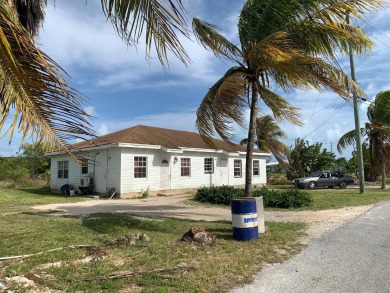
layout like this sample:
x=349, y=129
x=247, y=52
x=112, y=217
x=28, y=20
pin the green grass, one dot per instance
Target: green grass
x=325, y=198
x=215, y=268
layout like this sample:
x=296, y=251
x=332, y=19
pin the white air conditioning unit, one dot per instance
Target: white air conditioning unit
x=85, y=181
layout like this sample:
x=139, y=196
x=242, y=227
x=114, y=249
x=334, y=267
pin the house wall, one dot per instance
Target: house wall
x=197, y=177
x=74, y=172
x=114, y=167
x=103, y=168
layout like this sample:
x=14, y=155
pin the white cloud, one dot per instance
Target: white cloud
x=90, y=110
x=103, y=129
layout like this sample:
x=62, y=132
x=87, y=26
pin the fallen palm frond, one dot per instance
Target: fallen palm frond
x=46, y=251
x=126, y=274
x=120, y=242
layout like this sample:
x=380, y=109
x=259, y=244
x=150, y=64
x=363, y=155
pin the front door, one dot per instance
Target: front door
x=164, y=174
x=100, y=172
x=224, y=172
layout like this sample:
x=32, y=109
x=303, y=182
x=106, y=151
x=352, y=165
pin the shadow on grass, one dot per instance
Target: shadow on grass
x=222, y=233
x=40, y=191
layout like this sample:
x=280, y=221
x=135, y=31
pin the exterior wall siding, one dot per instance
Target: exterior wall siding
x=74, y=173
x=114, y=167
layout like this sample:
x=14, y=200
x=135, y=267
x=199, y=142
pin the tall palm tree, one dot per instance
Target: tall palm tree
x=32, y=86
x=282, y=42
x=267, y=138
x=376, y=133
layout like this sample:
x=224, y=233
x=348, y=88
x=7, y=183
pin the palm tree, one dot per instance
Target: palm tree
x=32, y=86
x=281, y=43
x=376, y=133
x=267, y=138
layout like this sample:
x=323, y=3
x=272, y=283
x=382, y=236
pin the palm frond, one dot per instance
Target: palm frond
x=379, y=110
x=268, y=136
x=161, y=18
x=330, y=11
x=223, y=104
x=348, y=139
x=326, y=39
x=280, y=108
x=31, y=14
x=311, y=72
x=33, y=89
x=244, y=141
x=208, y=36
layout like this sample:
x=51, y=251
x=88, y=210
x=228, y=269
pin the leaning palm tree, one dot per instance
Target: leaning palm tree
x=376, y=133
x=267, y=138
x=282, y=42
x=32, y=87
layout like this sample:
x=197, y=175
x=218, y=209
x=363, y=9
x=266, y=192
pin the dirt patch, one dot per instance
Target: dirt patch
x=318, y=222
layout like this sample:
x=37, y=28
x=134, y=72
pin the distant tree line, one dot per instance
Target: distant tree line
x=27, y=166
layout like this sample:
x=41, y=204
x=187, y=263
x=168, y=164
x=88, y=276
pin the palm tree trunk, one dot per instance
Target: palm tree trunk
x=251, y=136
x=383, y=174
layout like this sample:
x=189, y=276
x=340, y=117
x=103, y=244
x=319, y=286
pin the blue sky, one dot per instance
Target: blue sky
x=123, y=89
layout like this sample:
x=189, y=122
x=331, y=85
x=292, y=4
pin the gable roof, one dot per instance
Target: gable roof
x=168, y=138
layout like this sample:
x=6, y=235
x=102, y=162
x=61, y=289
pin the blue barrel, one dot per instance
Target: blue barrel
x=244, y=219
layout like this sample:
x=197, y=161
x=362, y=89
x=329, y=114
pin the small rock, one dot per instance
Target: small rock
x=145, y=237
x=49, y=265
x=21, y=280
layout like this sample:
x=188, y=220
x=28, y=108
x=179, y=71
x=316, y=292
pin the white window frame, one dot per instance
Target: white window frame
x=84, y=166
x=185, y=165
x=208, y=165
x=237, y=167
x=256, y=168
x=140, y=167
x=63, y=169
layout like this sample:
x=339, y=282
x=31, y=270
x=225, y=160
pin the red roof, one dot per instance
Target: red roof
x=168, y=138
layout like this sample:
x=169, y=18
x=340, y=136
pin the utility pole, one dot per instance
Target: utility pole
x=357, y=124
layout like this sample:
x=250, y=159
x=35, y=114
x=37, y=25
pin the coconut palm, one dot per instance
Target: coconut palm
x=376, y=132
x=267, y=138
x=32, y=87
x=281, y=44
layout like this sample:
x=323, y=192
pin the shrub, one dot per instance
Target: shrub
x=218, y=195
x=291, y=198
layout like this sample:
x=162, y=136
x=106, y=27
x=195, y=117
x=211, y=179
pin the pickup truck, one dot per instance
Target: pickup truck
x=323, y=179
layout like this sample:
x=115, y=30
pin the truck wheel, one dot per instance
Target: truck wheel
x=343, y=184
x=330, y=186
x=312, y=185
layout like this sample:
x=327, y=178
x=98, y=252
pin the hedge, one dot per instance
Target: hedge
x=291, y=198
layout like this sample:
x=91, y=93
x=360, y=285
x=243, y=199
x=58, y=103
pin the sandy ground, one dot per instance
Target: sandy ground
x=318, y=222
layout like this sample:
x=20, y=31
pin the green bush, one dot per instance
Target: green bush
x=290, y=198
x=218, y=195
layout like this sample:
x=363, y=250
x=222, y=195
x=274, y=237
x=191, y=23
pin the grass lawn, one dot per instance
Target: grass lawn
x=325, y=198
x=163, y=264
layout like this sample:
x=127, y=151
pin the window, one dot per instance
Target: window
x=208, y=165
x=185, y=166
x=84, y=166
x=237, y=168
x=63, y=169
x=140, y=167
x=256, y=169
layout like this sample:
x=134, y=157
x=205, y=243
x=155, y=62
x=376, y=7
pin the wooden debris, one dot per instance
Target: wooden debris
x=198, y=236
x=129, y=239
x=126, y=274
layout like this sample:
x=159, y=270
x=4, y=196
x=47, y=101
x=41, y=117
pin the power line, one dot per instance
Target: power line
x=328, y=118
x=307, y=128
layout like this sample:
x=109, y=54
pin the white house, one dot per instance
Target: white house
x=149, y=158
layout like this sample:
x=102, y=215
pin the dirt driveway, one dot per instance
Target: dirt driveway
x=175, y=207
